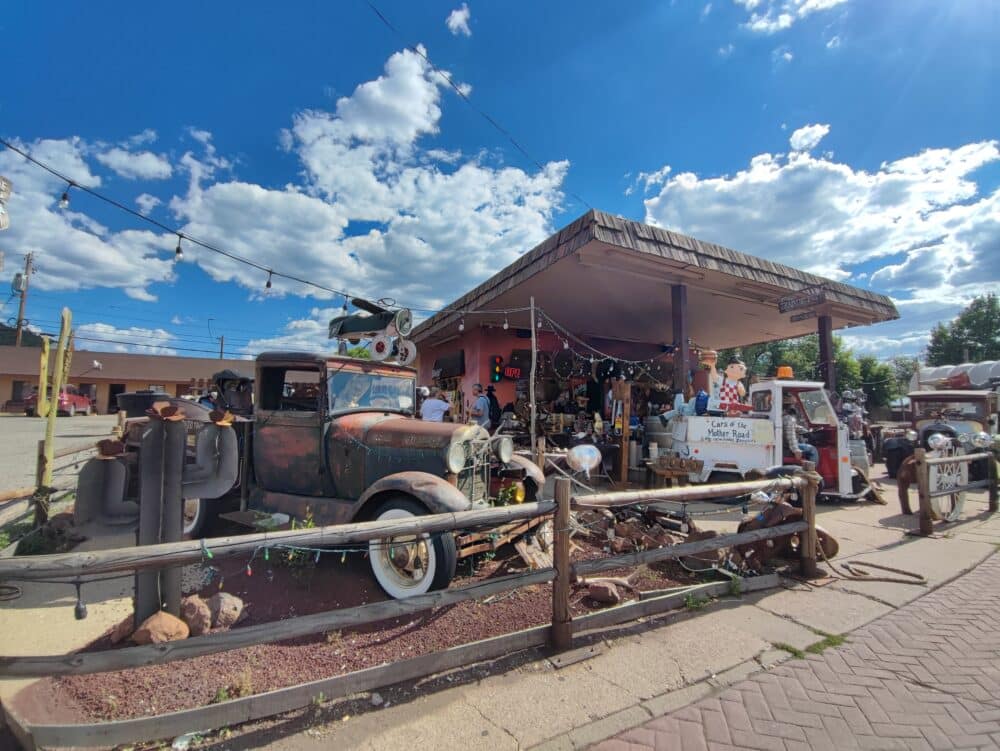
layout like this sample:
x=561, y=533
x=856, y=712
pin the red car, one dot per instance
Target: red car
x=71, y=402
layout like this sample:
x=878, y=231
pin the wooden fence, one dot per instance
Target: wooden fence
x=925, y=493
x=558, y=635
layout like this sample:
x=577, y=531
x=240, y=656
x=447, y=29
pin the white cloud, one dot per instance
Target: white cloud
x=103, y=337
x=833, y=43
x=706, y=10
x=921, y=220
x=72, y=250
x=134, y=165
x=140, y=139
x=808, y=137
x=771, y=16
x=782, y=54
x=146, y=202
x=376, y=211
x=300, y=335
x=458, y=21
x=726, y=50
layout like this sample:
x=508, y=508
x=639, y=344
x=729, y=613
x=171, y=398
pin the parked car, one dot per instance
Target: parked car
x=967, y=417
x=71, y=402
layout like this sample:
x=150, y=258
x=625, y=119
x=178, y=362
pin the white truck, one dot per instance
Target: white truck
x=731, y=446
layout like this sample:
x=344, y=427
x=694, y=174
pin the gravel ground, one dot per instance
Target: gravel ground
x=273, y=593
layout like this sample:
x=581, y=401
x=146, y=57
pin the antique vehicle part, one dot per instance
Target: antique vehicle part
x=775, y=514
x=969, y=417
x=941, y=477
x=732, y=446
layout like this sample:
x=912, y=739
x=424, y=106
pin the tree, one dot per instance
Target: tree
x=973, y=336
x=878, y=381
x=903, y=368
x=802, y=354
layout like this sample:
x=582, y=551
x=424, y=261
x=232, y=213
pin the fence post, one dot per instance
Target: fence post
x=923, y=492
x=992, y=474
x=40, y=464
x=807, y=550
x=562, y=633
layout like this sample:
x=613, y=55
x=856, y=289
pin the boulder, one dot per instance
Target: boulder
x=604, y=592
x=123, y=630
x=196, y=614
x=227, y=609
x=160, y=627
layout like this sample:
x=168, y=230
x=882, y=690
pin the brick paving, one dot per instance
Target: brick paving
x=926, y=676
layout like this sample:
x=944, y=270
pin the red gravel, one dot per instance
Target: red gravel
x=274, y=592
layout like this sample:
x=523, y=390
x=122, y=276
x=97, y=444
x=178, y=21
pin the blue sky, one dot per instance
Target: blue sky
x=854, y=139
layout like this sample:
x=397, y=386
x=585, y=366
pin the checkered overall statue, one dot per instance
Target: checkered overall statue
x=732, y=392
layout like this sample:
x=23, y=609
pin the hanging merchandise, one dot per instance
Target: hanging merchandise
x=608, y=368
x=564, y=364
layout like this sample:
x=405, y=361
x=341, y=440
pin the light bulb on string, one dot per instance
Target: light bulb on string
x=267, y=285
x=344, y=307
x=64, y=201
x=178, y=251
x=565, y=344
x=506, y=323
x=461, y=325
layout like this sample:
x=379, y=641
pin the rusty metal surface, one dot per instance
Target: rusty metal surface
x=436, y=493
x=286, y=453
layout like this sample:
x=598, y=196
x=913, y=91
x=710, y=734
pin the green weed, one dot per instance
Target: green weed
x=793, y=651
x=828, y=640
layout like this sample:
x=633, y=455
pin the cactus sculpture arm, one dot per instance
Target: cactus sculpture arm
x=48, y=406
x=216, y=463
x=42, y=405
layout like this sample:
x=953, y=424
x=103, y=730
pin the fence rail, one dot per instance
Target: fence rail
x=925, y=493
x=559, y=634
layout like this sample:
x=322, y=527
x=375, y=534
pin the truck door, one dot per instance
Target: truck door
x=288, y=430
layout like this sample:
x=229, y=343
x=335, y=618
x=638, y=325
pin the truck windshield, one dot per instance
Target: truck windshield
x=818, y=409
x=359, y=390
x=925, y=409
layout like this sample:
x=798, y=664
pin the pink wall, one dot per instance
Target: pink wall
x=480, y=344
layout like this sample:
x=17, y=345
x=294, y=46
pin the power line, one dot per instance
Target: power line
x=465, y=97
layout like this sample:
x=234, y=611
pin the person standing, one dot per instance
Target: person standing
x=480, y=411
x=434, y=408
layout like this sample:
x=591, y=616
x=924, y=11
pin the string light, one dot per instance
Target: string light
x=461, y=325
x=343, y=308
x=64, y=201
x=179, y=251
x=506, y=324
x=565, y=344
x=268, y=284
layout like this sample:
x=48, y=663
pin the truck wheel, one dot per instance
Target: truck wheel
x=411, y=565
x=195, y=514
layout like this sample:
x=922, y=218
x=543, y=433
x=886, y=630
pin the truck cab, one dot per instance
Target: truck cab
x=731, y=446
x=335, y=439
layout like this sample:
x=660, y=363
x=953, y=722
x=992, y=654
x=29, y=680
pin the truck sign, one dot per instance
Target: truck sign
x=730, y=430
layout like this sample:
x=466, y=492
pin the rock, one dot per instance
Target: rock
x=621, y=545
x=377, y=699
x=123, y=630
x=604, y=592
x=227, y=609
x=196, y=614
x=160, y=627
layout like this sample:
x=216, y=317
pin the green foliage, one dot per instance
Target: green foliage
x=802, y=354
x=878, y=380
x=828, y=640
x=903, y=369
x=360, y=353
x=974, y=332
x=694, y=602
x=295, y=558
x=793, y=651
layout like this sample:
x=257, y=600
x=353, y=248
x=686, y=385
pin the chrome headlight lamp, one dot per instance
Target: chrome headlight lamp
x=980, y=440
x=503, y=448
x=455, y=457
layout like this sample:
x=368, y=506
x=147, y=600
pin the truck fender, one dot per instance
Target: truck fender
x=436, y=493
x=896, y=443
x=532, y=471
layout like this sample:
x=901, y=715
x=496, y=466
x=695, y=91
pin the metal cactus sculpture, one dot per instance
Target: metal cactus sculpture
x=48, y=406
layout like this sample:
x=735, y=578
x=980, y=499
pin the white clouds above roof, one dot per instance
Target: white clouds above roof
x=103, y=337
x=808, y=137
x=458, y=21
x=134, y=165
x=921, y=220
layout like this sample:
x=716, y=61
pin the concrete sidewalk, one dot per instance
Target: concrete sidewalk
x=653, y=668
x=926, y=676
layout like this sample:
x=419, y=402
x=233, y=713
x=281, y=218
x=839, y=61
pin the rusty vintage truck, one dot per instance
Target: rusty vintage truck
x=335, y=439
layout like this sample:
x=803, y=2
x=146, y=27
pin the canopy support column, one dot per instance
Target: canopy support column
x=827, y=365
x=682, y=348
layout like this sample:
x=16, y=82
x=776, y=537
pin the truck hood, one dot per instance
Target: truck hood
x=377, y=429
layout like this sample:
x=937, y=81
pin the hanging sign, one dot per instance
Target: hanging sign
x=730, y=430
x=803, y=316
x=809, y=297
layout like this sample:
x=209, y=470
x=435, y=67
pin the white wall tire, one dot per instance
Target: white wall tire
x=194, y=513
x=408, y=565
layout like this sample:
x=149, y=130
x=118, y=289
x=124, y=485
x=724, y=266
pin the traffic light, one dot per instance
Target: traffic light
x=496, y=368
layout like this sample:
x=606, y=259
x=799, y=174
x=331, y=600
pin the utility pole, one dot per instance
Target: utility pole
x=24, y=298
x=222, y=344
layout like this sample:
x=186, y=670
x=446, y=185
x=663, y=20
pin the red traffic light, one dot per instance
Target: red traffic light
x=496, y=368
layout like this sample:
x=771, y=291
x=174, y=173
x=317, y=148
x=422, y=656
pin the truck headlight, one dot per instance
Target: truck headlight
x=963, y=438
x=455, y=458
x=911, y=435
x=504, y=449
x=981, y=440
x=937, y=441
